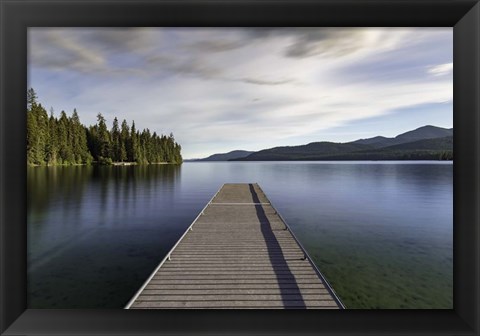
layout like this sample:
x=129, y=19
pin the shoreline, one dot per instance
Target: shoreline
x=99, y=164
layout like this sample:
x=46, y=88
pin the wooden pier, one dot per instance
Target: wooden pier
x=238, y=253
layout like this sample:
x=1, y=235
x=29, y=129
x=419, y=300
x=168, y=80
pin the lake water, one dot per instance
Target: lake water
x=381, y=232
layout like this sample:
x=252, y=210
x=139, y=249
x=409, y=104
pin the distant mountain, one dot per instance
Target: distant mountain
x=312, y=151
x=440, y=144
x=427, y=149
x=425, y=132
x=424, y=143
x=372, y=141
x=236, y=154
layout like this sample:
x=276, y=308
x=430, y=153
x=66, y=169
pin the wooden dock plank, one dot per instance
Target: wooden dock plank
x=239, y=253
x=236, y=304
x=265, y=287
x=175, y=268
x=234, y=282
x=237, y=291
x=235, y=297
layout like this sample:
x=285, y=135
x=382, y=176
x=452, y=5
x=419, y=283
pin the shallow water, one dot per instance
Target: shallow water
x=381, y=232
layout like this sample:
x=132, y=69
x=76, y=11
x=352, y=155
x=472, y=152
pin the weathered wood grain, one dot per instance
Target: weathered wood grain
x=238, y=254
x=238, y=304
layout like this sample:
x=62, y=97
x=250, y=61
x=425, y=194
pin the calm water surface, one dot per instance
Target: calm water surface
x=381, y=232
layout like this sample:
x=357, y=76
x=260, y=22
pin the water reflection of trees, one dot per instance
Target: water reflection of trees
x=67, y=185
x=45, y=184
x=120, y=187
x=81, y=218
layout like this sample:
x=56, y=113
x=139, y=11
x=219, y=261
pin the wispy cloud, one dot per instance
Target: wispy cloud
x=441, y=69
x=329, y=42
x=220, y=89
x=266, y=82
x=219, y=45
x=56, y=50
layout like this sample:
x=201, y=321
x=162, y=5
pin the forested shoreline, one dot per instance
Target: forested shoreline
x=66, y=141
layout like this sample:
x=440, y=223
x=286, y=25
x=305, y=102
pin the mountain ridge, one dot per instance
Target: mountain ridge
x=235, y=154
x=424, y=132
x=423, y=143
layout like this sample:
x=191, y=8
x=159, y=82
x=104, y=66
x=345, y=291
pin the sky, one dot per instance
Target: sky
x=223, y=89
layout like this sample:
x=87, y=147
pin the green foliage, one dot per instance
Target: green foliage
x=426, y=149
x=446, y=155
x=124, y=141
x=104, y=142
x=105, y=161
x=52, y=141
x=37, y=133
x=31, y=98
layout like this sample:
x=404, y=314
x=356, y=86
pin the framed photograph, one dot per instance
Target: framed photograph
x=240, y=155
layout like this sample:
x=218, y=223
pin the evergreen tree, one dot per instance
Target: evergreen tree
x=31, y=98
x=37, y=132
x=79, y=140
x=115, y=136
x=92, y=141
x=32, y=135
x=124, y=140
x=133, y=150
x=65, y=140
x=52, y=145
x=104, y=143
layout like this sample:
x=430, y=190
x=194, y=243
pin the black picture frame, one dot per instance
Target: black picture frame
x=16, y=16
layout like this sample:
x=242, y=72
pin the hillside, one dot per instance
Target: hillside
x=427, y=149
x=445, y=143
x=425, y=132
x=424, y=143
x=312, y=151
x=236, y=154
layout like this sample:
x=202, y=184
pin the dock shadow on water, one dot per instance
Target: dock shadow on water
x=277, y=259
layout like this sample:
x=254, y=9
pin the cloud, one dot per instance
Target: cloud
x=266, y=82
x=97, y=51
x=132, y=51
x=125, y=40
x=57, y=50
x=217, y=45
x=441, y=69
x=192, y=67
x=329, y=42
x=218, y=88
x=402, y=57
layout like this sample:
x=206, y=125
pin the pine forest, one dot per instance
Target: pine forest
x=65, y=141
